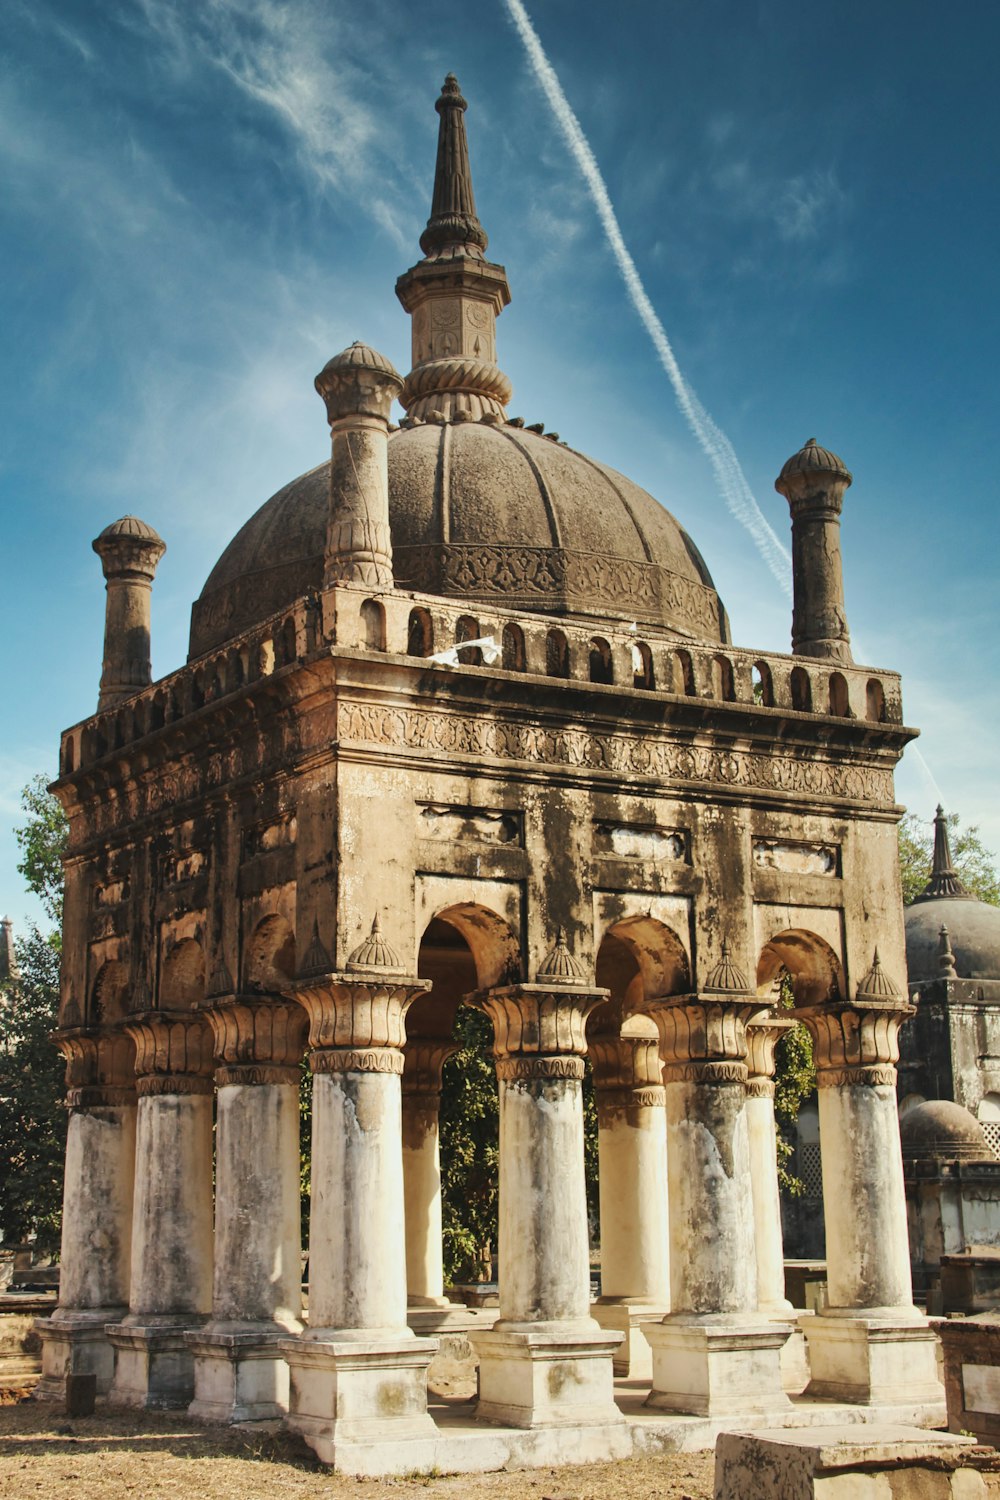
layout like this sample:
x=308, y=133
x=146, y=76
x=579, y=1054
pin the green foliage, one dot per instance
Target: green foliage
x=470, y=1161
x=42, y=840
x=794, y=1082
x=32, y=1117
x=975, y=865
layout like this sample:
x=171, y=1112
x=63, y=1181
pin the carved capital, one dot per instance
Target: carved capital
x=532, y=1020
x=625, y=1062
x=423, y=1061
x=357, y=1060
x=764, y=1032
x=100, y=1067
x=855, y=1042
x=356, y=1012
x=524, y=1068
x=705, y=1072
x=697, y=1029
x=760, y=1088
x=617, y=1105
x=257, y=1038
x=173, y=1052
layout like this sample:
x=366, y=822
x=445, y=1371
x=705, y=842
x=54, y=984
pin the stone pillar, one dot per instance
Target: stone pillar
x=97, y=1210
x=869, y=1344
x=358, y=388
x=763, y=1033
x=635, y=1229
x=358, y=1375
x=813, y=481
x=713, y=1354
x=240, y=1374
x=129, y=551
x=171, y=1275
x=545, y=1362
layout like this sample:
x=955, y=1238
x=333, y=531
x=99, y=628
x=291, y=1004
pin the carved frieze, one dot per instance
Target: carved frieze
x=633, y=755
x=182, y=864
x=456, y=824
x=795, y=858
x=629, y=841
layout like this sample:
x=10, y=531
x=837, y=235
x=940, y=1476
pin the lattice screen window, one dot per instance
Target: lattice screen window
x=991, y=1130
x=809, y=1168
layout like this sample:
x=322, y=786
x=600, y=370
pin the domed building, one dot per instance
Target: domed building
x=462, y=724
x=952, y=1049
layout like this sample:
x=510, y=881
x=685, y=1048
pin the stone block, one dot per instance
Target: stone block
x=154, y=1367
x=349, y=1394
x=853, y=1463
x=971, y=1350
x=238, y=1376
x=75, y=1344
x=632, y=1359
x=718, y=1368
x=872, y=1360
x=554, y=1376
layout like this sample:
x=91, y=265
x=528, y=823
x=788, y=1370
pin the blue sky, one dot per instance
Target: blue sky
x=201, y=202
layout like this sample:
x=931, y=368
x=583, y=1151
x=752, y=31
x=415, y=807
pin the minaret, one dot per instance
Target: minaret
x=129, y=551
x=8, y=958
x=358, y=388
x=454, y=294
x=813, y=482
x=944, y=880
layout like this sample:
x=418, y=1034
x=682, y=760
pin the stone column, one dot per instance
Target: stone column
x=171, y=1274
x=240, y=1374
x=97, y=1210
x=713, y=1354
x=358, y=388
x=129, y=551
x=635, y=1230
x=358, y=1375
x=814, y=481
x=869, y=1344
x=545, y=1362
x=763, y=1033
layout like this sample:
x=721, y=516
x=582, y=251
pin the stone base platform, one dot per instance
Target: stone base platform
x=75, y=1343
x=547, y=1376
x=154, y=1367
x=633, y=1359
x=872, y=1359
x=716, y=1368
x=239, y=1375
x=460, y=1443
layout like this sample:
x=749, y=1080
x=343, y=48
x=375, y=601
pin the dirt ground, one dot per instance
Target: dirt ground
x=46, y=1456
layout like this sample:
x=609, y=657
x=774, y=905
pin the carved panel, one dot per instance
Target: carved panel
x=796, y=858
x=457, y=824
x=183, y=864
x=629, y=841
x=274, y=833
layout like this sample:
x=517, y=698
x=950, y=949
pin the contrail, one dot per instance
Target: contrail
x=713, y=441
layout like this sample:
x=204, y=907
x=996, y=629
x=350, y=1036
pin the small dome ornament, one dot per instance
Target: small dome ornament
x=316, y=960
x=726, y=978
x=129, y=527
x=876, y=986
x=375, y=952
x=559, y=966
x=812, y=459
x=946, y=955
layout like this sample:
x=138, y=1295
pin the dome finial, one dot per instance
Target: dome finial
x=944, y=879
x=453, y=221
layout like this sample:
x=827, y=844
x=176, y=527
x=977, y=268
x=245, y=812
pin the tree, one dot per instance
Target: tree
x=975, y=865
x=32, y=1117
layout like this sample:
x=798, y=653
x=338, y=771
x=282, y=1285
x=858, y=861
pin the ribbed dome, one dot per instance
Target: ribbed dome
x=973, y=930
x=942, y=1130
x=131, y=527
x=360, y=357
x=812, y=459
x=480, y=512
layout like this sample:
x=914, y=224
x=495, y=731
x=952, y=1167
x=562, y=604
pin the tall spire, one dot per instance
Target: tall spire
x=454, y=294
x=944, y=881
x=453, y=223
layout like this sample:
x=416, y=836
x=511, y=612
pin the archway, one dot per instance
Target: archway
x=813, y=968
x=269, y=962
x=109, y=1001
x=182, y=976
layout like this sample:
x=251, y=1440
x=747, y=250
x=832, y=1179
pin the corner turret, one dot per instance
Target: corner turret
x=129, y=550
x=813, y=482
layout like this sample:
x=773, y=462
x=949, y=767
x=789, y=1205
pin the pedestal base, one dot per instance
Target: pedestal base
x=547, y=1375
x=153, y=1365
x=872, y=1360
x=239, y=1375
x=345, y=1395
x=717, y=1369
x=633, y=1359
x=75, y=1343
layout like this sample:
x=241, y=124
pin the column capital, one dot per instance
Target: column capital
x=628, y=1074
x=855, y=1041
x=423, y=1060
x=173, y=1052
x=703, y=1037
x=100, y=1066
x=257, y=1038
x=539, y=1030
x=357, y=1021
x=764, y=1031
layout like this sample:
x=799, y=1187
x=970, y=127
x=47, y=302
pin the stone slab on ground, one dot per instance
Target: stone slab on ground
x=877, y=1462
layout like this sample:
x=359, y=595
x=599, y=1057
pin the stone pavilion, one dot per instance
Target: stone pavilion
x=462, y=724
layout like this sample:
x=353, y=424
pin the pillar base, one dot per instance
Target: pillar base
x=871, y=1361
x=345, y=1393
x=633, y=1359
x=718, y=1368
x=240, y=1375
x=75, y=1343
x=547, y=1374
x=154, y=1368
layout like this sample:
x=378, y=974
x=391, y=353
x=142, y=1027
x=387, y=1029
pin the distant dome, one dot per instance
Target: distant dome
x=941, y=1130
x=812, y=459
x=485, y=513
x=974, y=932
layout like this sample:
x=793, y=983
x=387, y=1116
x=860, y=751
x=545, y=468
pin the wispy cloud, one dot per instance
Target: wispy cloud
x=715, y=444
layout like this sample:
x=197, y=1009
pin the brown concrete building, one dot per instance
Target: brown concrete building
x=462, y=723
